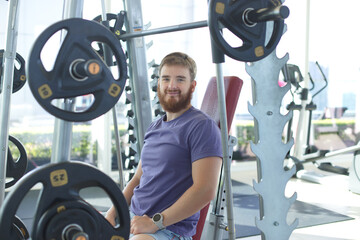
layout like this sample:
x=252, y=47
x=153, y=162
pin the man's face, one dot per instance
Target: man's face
x=175, y=88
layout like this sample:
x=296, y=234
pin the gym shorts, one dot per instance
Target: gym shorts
x=163, y=234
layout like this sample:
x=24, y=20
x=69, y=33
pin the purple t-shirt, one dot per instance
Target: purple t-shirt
x=169, y=150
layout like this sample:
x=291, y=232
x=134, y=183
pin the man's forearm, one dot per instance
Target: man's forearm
x=192, y=201
x=205, y=173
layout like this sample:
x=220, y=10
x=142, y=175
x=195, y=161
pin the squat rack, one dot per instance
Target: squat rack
x=138, y=71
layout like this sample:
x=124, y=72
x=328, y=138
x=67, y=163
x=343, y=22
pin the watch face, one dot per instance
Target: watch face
x=157, y=217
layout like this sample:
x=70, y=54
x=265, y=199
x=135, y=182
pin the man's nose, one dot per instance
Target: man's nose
x=172, y=84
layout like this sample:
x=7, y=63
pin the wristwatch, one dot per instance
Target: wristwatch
x=158, y=220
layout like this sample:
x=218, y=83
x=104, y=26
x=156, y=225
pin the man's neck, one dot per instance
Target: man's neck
x=171, y=116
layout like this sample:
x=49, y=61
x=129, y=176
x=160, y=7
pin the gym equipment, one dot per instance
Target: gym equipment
x=232, y=89
x=19, y=77
x=267, y=96
x=138, y=74
x=7, y=78
x=248, y=21
x=354, y=174
x=114, y=22
x=105, y=20
x=174, y=28
x=15, y=169
x=269, y=148
x=117, y=22
x=62, y=137
x=20, y=229
x=311, y=153
x=78, y=70
x=61, y=213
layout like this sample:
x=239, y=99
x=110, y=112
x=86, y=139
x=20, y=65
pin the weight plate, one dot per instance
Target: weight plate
x=116, y=22
x=60, y=83
x=19, y=78
x=60, y=199
x=229, y=14
x=15, y=169
x=73, y=213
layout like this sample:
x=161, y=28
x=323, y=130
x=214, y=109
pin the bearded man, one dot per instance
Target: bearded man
x=180, y=161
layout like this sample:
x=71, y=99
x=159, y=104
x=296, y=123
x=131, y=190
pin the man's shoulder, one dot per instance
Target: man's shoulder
x=201, y=116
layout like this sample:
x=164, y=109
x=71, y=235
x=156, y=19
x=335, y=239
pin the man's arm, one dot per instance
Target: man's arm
x=132, y=184
x=205, y=174
x=128, y=193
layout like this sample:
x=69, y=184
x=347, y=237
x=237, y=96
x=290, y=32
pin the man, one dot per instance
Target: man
x=180, y=161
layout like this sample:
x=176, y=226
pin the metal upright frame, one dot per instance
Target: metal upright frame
x=216, y=224
x=138, y=71
x=7, y=87
x=108, y=57
x=62, y=136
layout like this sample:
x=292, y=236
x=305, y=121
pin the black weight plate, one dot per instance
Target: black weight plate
x=19, y=78
x=62, y=183
x=229, y=14
x=53, y=222
x=116, y=21
x=15, y=169
x=59, y=82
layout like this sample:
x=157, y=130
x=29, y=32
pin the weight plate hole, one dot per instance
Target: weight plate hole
x=231, y=38
x=14, y=151
x=82, y=103
x=17, y=64
x=52, y=46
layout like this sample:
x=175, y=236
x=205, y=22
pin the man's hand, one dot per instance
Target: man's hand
x=142, y=224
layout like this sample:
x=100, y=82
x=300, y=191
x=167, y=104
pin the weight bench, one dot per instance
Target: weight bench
x=209, y=106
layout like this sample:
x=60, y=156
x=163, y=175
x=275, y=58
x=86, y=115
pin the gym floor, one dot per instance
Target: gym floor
x=333, y=195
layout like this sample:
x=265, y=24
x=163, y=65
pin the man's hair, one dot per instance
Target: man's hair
x=179, y=58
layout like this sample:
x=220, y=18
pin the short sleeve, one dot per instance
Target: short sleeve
x=205, y=140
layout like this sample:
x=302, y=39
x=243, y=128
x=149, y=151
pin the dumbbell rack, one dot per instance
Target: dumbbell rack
x=269, y=148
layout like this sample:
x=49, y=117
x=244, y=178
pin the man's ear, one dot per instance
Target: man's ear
x=193, y=85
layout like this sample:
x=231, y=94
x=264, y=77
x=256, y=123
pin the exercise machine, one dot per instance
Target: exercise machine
x=293, y=76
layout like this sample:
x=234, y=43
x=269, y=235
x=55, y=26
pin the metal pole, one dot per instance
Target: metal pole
x=174, y=28
x=225, y=144
x=62, y=137
x=116, y=129
x=9, y=58
x=302, y=123
x=138, y=72
x=118, y=150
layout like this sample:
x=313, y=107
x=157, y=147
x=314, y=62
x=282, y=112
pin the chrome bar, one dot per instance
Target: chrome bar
x=174, y=28
x=225, y=144
x=7, y=83
x=62, y=136
x=345, y=150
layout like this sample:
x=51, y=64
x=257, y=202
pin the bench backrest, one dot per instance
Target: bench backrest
x=209, y=105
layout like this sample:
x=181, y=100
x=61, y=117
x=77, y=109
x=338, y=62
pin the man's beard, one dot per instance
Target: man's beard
x=173, y=105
